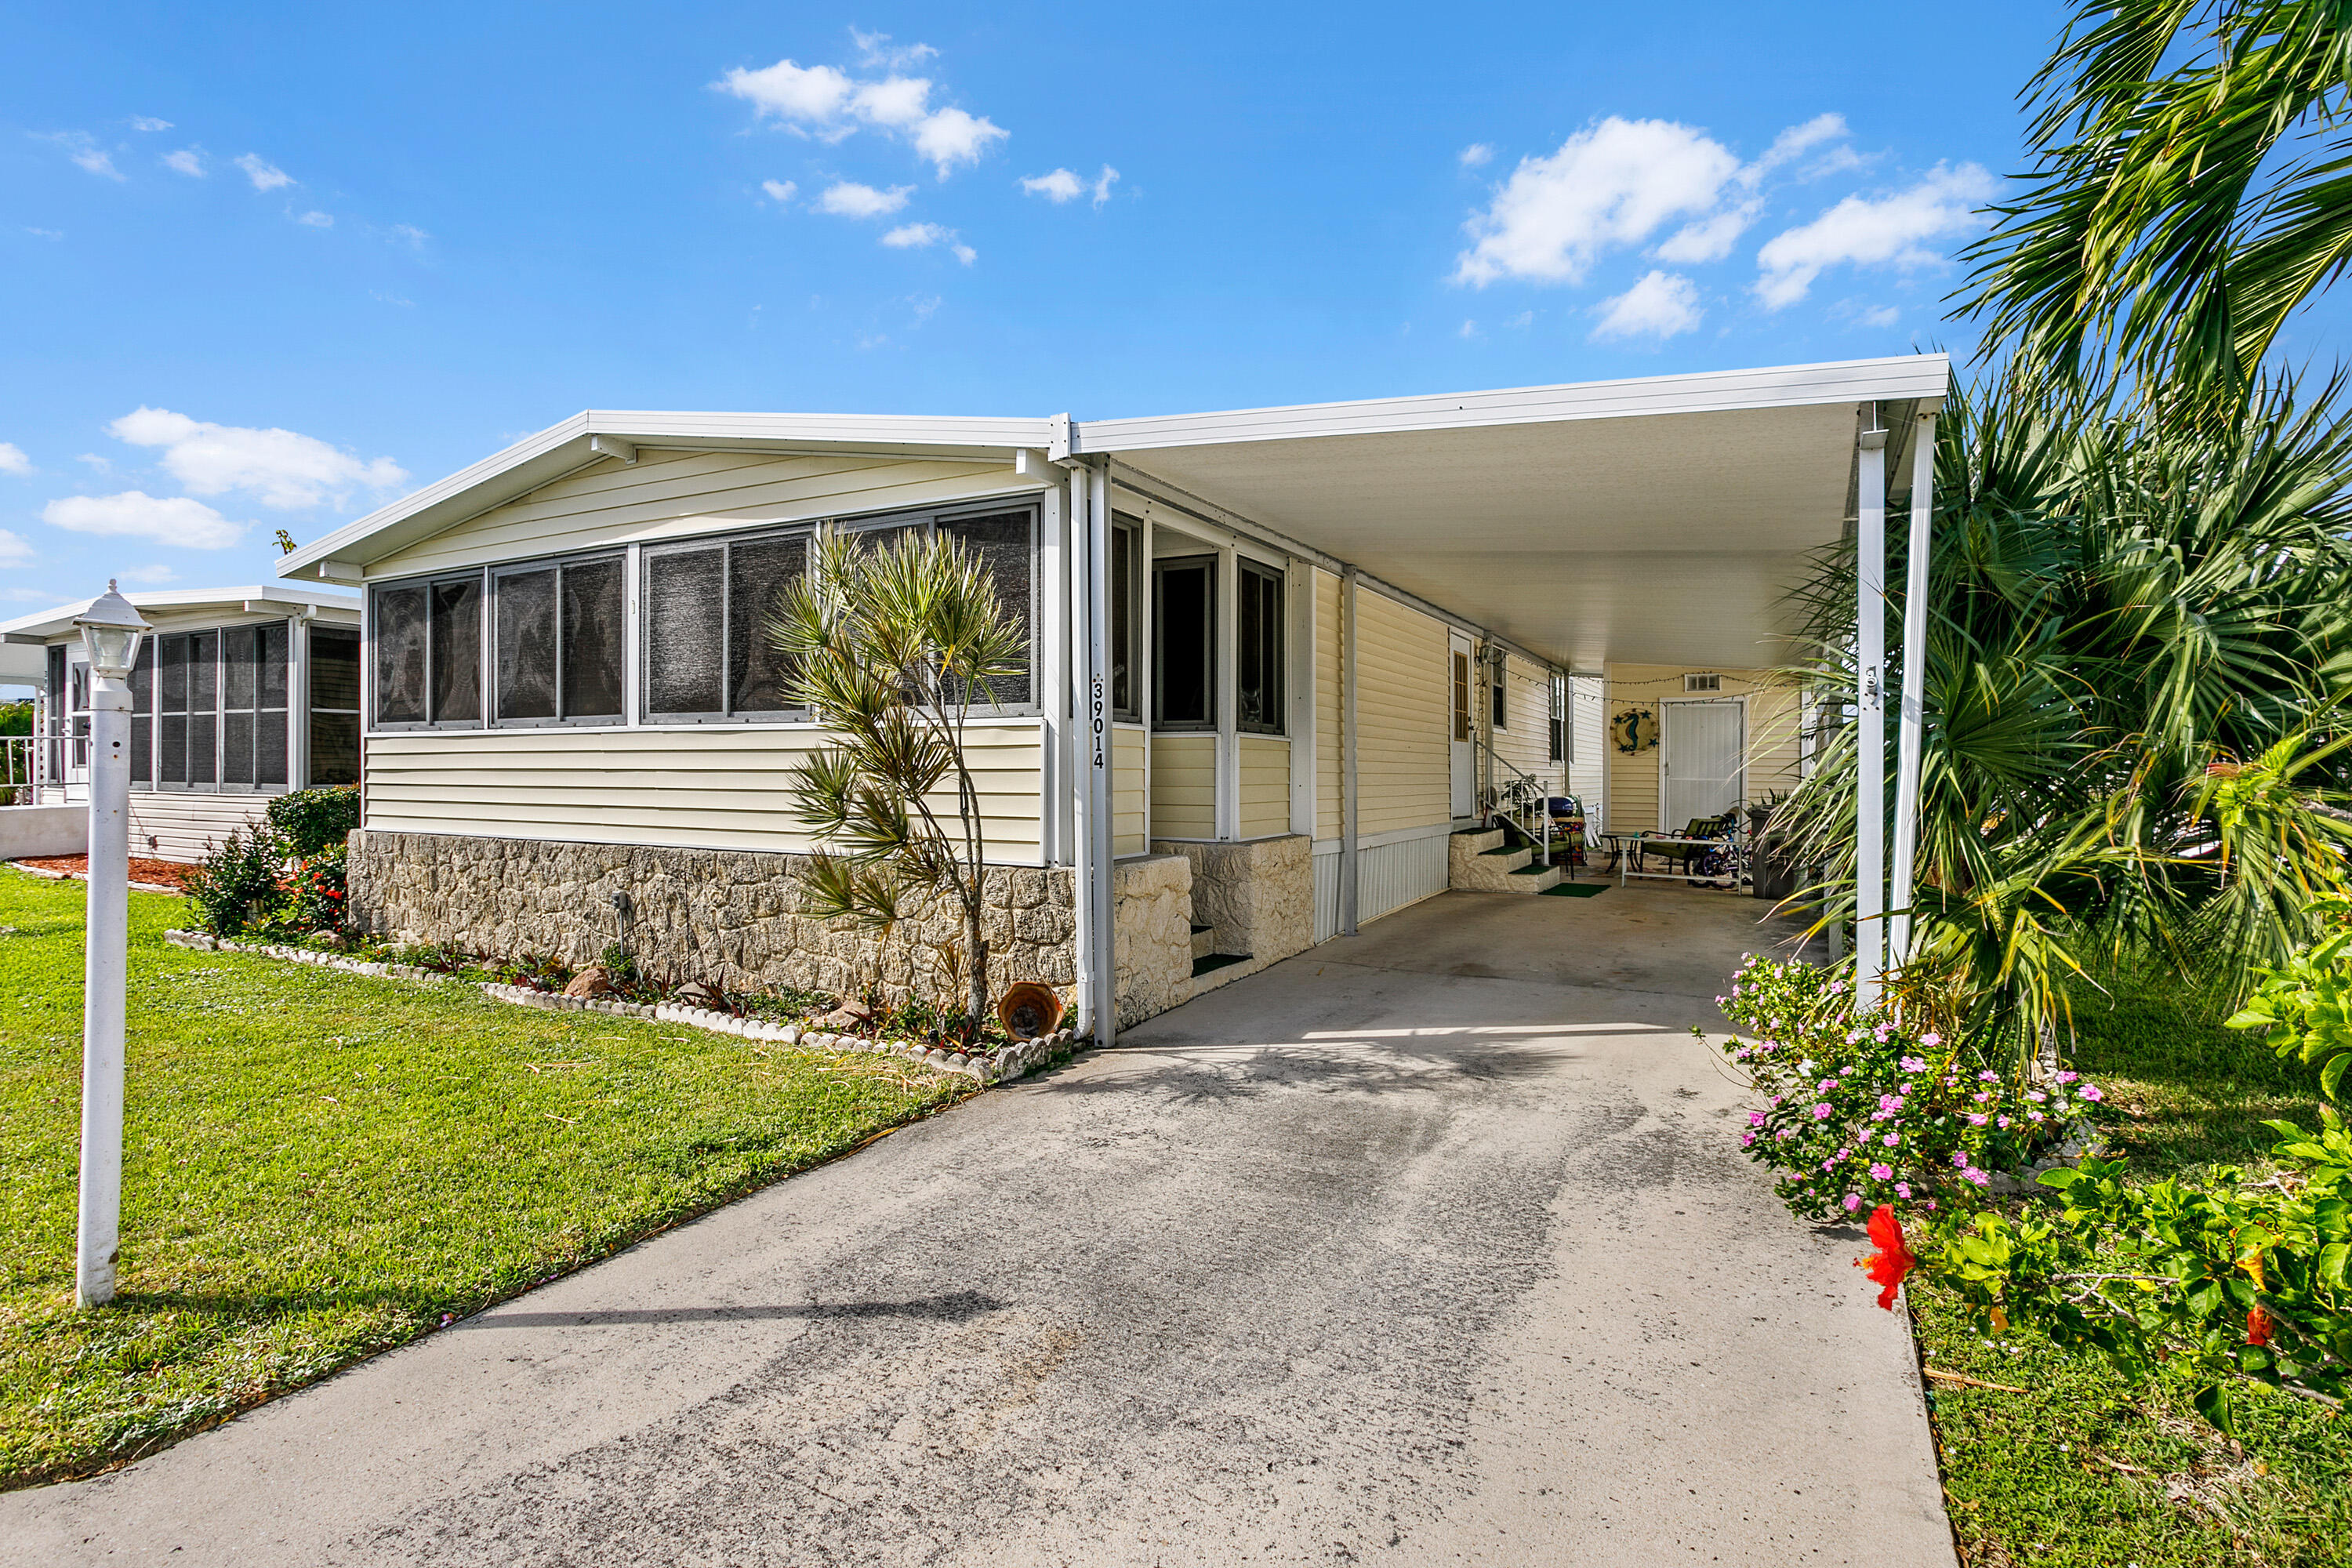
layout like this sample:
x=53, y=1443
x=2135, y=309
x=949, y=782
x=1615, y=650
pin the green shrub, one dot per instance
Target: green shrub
x=319, y=892
x=309, y=820
x=236, y=885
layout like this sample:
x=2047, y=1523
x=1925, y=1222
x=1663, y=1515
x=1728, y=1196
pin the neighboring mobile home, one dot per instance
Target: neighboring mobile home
x=1279, y=657
x=239, y=694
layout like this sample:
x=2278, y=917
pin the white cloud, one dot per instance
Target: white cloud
x=1711, y=238
x=186, y=160
x=1859, y=231
x=1467, y=329
x=1066, y=185
x=12, y=459
x=149, y=122
x=1061, y=186
x=277, y=467
x=920, y=236
x=14, y=551
x=135, y=514
x=779, y=190
x=1661, y=305
x=265, y=175
x=315, y=220
x=897, y=101
x=952, y=137
x=149, y=576
x=1881, y=316
x=84, y=152
x=875, y=49
x=47, y=233
x=1614, y=183
x=415, y=236
x=382, y=298
x=812, y=95
x=1523, y=320
x=828, y=103
x=1794, y=143
x=849, y=199
x=1476, y=155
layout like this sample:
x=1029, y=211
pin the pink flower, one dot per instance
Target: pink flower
x=1881, y=1173
x=2068, y=1077
x=1978, y=1177
x=1892, y=1138
x=1853, y=1202
x=1821, y=1112
x=1931, y=1039
x=2003, y=1122
x=2091, y=1092
x=1903, y=1189
x=1746, y=1138
x=1987, y=1077
x=1977, y=1119
x=1755, y=1119
x=1912, y=1064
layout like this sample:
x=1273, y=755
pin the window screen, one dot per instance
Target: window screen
x=526, y=643
x=1498, y=701
x=1126, y=552
x=334, y=707
x=204, y=710
x=143, y=716
x=458, y=651
x=685, y=641
x=757, y=575
x=1559, y=718
x=592, y=637
x=55, y=768
x=400, y=651
x=1002, y=543
x=1184, y=640
x=239, y=656
x=271, y=643
x=171, y=710
x=1258, y=652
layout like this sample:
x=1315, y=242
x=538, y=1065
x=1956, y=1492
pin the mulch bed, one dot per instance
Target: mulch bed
x=160, y=873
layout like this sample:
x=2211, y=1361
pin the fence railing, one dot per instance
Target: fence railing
x=20, y=778
x=1522, y=797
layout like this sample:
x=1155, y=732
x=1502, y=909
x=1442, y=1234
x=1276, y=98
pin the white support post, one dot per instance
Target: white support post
x=97, y=1224
x=1351, y=794
x=1077, y=797
x=1870, y=740
x=1054, y=576
x=1298, y=612
x=1096, y=855
x=1225, y=623
x=1911, y=721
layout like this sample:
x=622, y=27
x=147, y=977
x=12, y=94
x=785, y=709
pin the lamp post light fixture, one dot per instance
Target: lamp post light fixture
x=110, y=629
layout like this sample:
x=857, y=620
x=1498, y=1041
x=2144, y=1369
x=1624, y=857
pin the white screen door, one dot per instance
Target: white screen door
x=1699, y=760
x=77, y=695
x=1457, y=683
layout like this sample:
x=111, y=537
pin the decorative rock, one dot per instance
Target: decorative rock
x=593, y=981
x=791, y=1034
x=698, y=994
x=957, y=1059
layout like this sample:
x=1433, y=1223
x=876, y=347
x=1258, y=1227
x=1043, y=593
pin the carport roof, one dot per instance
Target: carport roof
x=1656, y=520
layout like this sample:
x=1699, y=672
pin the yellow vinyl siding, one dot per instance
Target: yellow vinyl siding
x=1404, y=707
x=1526, y=744
x=1265, y=786
x=1183, y=786
x=1330, y=758
x=1130, y=805
x=714, y=787
x=1633, y=782
x=670, y=494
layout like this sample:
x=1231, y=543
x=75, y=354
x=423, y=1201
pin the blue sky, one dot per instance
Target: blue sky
x=266, y=267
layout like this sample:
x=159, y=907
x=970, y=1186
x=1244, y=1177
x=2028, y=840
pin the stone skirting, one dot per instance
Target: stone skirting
x=1151, y=902
x=1258, y=894
x=727, y=916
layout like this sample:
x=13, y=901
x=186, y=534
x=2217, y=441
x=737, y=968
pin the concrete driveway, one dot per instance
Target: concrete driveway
x=1431, y=1245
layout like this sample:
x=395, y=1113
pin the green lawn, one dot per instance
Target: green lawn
x=318, y=1165
x=2085, y=1470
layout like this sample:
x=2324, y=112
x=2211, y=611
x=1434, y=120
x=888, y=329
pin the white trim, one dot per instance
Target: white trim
x=1377, y=840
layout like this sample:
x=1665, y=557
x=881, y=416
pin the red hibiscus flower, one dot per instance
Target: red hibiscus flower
x=1893, y=1260
x=2258, y=1327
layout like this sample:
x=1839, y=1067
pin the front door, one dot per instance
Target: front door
x=77, y=694
x=1701, y=756
x=1465, y=764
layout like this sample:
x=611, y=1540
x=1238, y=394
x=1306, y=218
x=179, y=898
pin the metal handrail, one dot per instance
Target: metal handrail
x=1523, y=782
x=20, y=764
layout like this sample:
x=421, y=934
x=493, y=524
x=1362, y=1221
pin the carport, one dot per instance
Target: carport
x=1659, y=520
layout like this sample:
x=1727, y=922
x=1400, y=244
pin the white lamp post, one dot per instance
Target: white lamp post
x=110, y=629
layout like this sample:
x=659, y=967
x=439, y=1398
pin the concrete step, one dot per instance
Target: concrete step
x=1479, y=863
x=1204, y=942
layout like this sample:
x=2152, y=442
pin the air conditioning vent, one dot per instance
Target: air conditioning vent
x=1702, y=683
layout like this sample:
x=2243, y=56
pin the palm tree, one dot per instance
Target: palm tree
x=2192, y=186
x=2127, y=603
x=892, y=648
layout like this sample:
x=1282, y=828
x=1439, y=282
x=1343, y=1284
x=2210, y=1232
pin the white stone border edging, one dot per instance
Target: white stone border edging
x=986, y=1068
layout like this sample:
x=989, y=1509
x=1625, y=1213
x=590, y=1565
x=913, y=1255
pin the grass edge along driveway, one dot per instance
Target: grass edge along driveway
x=321, y=1166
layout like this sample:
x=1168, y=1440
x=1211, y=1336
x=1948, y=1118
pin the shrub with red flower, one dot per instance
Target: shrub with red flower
x=1893, y=1260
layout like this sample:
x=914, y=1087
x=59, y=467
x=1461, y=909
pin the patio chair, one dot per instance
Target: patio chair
x=1689, y=859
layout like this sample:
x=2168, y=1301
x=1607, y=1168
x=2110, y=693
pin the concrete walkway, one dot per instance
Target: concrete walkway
x=1432, y=1245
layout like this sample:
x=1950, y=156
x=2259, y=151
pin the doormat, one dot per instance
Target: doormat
x=1574, y=890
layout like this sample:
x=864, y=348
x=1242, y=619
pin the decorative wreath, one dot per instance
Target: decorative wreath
x=1634, y=729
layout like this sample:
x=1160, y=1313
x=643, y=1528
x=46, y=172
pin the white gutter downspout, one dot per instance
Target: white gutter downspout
x=1912, y=720
x=1870, y=704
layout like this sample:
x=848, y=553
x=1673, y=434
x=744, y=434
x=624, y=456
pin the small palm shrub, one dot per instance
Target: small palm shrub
x=310, y=820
